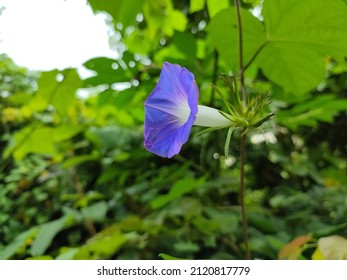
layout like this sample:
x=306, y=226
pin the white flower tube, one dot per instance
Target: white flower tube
x=210, y=117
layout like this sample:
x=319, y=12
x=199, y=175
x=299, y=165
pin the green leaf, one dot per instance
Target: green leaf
x=196, y=5
x=31, y=139
x=169, y=258
x=40, y=140
x=46, y=234
x=186, y=247
x=111, y=7
x=123, y=11
x=128, y=11
x=52, y=91
x=65, y=132
x=185, y=43
x=177, y=21
x=224, y=36
x=309, y=113
x=293, y=66
x=298, y=35
x=301, y=33
x=160, y=15
x=18, y=243
x=102, y=245
x=138, y=42
x=180, y=188
x=40, y=258
x=213, y=6
x=77, y=160
x=108, y=71
x=95, y=212
x=67, y=253
x=65, y=96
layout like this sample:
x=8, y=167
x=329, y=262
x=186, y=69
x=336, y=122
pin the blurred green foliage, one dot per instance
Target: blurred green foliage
x=76, y=182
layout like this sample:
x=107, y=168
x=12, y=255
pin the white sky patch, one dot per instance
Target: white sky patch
x=48, y=34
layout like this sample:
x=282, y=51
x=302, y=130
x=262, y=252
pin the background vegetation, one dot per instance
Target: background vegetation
x=76, y=182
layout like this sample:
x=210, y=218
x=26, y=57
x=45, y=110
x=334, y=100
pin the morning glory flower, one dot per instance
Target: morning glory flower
x=172, y=109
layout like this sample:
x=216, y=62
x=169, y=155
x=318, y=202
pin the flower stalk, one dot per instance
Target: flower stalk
x=243, y=138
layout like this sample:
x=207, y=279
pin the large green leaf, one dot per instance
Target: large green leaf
x=40, y=140
x=31, y=139
x=224, y=37
x=290, y=51
x=300, y=34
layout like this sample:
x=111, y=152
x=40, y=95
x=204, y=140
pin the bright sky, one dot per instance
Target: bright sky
x=48, y=34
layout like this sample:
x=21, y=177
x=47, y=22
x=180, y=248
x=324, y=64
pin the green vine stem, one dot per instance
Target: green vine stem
x=243, y=137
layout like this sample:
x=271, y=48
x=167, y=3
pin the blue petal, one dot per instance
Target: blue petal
x=164, y=131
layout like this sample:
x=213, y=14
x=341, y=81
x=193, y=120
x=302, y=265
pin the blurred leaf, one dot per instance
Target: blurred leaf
x=19, y=242
x=138, y=42
x=186, y=247
x=196, y=5
x=29, y=140
x=292, y=250
x=77, y=160
x=40, y=140
x=67, y=253
x=185, y=43
x=129, y=10
x=123, y=11
x=168, y=257
x=160, y=15
x=102, y=245
x=309, y=113
x=264, y=223
x=108, y=71
x=46, y=234
x=65, y=132
x=226, y=222
x=317, y=254
x=40, y=258
x=96, y=212
x=111, y=7
x=65, y=95
x=180, y=188
x=213, y=7
x=57, y=88
x=183, y=47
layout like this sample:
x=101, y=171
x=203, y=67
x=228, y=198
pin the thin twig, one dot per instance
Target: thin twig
x=242, y=196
